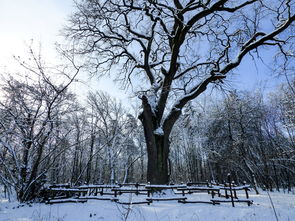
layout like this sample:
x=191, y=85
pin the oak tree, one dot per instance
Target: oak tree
x=171, y=51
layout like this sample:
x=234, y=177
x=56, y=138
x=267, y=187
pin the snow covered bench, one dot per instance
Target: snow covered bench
x=249, y=202
x=151, y=199
x=62, y=185
x=136, y=185
x=70, y=200
x=158, y=188
x=115, y=199
x=137, y=191
x=198, y=201
x=211, y=190
x=134, y=202
x=65, y=192
x=199, y=184
x=234, y=189
x=98, y=189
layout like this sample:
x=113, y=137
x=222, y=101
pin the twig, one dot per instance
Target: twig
x=274, y=210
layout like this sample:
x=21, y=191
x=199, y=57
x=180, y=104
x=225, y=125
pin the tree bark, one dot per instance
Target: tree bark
x=158, y=153
x=157, y=146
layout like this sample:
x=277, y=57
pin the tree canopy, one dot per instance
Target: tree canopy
x=170, y=51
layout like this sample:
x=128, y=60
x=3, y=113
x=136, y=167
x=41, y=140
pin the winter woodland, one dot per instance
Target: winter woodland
x=186, y=124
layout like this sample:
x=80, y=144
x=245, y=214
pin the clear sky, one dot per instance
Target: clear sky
x=41, y=20
x=22, y=20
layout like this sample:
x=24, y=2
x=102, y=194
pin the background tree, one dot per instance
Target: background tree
x=187, y=145
x=114, y=129
x=246, y=139
x=32, y=107
x=177, y=48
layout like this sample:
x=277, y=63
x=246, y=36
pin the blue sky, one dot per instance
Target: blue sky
x=41, y=20
x=250, y=75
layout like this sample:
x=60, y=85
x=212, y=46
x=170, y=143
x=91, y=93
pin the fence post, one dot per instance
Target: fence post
x=230, y=189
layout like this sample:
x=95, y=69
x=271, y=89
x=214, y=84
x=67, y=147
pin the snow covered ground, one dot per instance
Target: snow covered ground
x=95, y=210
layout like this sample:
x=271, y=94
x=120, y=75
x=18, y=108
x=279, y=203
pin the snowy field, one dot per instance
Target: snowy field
x=95, y=210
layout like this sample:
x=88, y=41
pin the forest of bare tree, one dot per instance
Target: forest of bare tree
x=48, y=136
x=171, y=55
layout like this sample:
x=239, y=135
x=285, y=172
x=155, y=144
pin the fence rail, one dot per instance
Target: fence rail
x=218, y=193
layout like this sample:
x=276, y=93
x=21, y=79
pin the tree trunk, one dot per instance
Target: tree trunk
x=158, y=166
x=157, y=141
x=142, y=179
x=90, y=158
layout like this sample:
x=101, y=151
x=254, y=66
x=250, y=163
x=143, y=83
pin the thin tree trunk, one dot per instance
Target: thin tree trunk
x=89, y=165
x=141, y=163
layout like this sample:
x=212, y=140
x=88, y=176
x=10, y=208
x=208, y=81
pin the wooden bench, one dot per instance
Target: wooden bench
x=157, y=188
x=134, y=203
x=234, y=189
x=249, y=202
x=58, y=192
x=119, y=191
x=198, y=184
x=151, y=199
x=136, y=185
x=98, y=198
x=98, y=189
x=198, y=201
x=63, y=193
x=55, y=201
x=211, y=190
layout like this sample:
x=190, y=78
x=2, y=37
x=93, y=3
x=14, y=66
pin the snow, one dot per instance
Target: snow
x=159, y=131
x=95, y=210
x=99, y=186
x=152, y=100
x=203, y=187
x=290, y=53
x=281, y=22
x=166, y=186
x=66, y=189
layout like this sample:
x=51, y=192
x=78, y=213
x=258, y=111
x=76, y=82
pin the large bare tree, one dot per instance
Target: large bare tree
x=170, y=51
